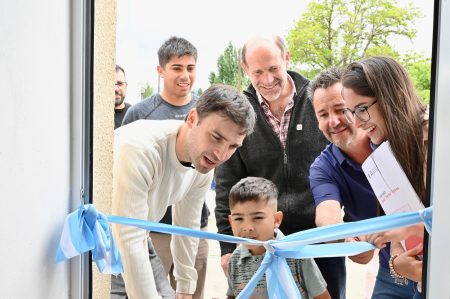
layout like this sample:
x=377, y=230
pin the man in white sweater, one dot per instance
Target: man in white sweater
x=163, y=163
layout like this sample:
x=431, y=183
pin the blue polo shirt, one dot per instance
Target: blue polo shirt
x=334, y=176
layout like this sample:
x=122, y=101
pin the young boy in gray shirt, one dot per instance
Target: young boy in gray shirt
x=254, y=215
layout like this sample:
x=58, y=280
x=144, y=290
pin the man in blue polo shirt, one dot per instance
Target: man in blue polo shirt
x=337, y=179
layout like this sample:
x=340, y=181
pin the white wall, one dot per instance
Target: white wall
x=36, y=146
x=439, y=267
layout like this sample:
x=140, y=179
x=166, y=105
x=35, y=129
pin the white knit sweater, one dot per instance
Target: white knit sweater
x=147, y=178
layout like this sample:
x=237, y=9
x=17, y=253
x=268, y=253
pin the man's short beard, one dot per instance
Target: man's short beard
x=119, y=103
x=343, y=144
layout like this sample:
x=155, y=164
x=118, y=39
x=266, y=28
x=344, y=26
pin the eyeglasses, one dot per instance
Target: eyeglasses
x=361, y=112
x=121, y=83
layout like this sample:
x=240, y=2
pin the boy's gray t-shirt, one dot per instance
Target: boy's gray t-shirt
x=154, y=107
x=243, y=265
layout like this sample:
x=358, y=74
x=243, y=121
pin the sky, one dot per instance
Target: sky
x=143, y=25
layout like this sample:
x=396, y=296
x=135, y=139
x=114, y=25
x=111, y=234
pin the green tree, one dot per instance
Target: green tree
x=146, y=91
x=229, y=69
x=419, y=69
x=337, y=32
x=196, y=92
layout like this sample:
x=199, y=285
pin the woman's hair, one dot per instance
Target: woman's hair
x=388, y=82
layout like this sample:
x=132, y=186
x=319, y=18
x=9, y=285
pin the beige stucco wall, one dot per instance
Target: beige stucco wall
x=104, y=76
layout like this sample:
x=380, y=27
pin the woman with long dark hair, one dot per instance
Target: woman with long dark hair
x=382, y=101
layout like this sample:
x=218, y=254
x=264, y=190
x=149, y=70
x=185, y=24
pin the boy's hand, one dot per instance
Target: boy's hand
x=183, y=296
x=324, y=295
x=224, y=263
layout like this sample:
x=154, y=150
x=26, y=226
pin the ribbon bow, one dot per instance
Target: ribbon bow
x=87, y=230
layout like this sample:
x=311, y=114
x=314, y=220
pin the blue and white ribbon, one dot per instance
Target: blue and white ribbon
x=88, y=230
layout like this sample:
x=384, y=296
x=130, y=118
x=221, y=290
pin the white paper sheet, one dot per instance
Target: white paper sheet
x=389, y=182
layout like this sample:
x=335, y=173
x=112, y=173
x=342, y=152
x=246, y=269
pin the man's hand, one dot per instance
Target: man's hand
x=183, y=296
x=328, y=212
x=224, y=263
x=362, y=258
x=396, y=235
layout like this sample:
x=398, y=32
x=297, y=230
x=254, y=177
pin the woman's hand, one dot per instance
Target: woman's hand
x=407, y=264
